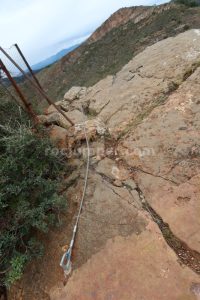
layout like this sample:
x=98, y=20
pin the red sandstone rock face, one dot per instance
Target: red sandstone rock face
x=58, y=136
x=179, y=206
x=133, y=268
x=122, y=16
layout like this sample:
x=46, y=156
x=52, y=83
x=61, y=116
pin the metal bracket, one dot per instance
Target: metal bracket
x=65, y=262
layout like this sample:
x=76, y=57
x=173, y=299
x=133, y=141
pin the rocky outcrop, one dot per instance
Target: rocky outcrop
x=144, y=82
x=142, y=208
x=75, y=93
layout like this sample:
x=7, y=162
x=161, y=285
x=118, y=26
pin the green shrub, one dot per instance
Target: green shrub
x=29, y=202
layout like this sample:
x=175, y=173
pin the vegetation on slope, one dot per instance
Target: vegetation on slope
x=29, y=202
x=188, y=3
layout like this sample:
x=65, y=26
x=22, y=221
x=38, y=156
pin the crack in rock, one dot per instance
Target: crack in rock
x=186, y=255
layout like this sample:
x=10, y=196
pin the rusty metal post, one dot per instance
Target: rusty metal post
x=36, y=86
x=28, y=66
x=14, y=84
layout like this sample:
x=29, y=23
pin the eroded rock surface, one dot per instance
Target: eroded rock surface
x=144, y=82
x=179, y=206
x=108, y=211
x=171, y=162
x=137, y=267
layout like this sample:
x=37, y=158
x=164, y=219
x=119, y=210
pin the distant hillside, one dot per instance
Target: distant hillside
x=110, y=48
x=52, y=59
x=120, y=17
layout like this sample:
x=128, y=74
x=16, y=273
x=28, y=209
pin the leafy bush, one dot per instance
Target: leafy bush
x=28, y=199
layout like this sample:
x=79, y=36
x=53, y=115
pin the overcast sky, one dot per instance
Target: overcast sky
x=44, y=27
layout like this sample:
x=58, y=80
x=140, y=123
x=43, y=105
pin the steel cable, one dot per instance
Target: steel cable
x=66, y=258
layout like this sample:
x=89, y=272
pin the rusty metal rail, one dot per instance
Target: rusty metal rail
x=27, y=105
x=34, y=83
x=28, y=66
